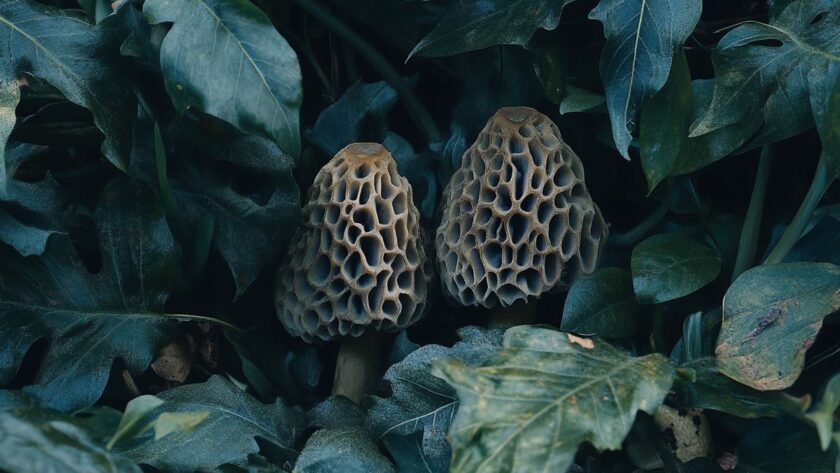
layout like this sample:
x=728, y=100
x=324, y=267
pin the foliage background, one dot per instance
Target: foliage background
x=155, y=157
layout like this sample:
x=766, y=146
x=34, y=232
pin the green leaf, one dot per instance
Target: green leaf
x=769, y=71
x=659, y=140
x=131, y=423
x=664, y=145
x=31, y=213
x=668, y=266
x=83, y=62
x=413, y=421
x=771, y=316
x=39, y=446
x=171, y=422
x=580, y=100
x=708, y=389
x=642, y=38
x=602, y=304
x=529, y=407
x=9, y=98
x=476, y=24
x=99, y=423
x=345, y=449
x=360, y=114
x=828, y=125
x=245, y=182
x=91, y=319
x=784, y=446
x=227, y=435
x=822, y=415
x=226, y=58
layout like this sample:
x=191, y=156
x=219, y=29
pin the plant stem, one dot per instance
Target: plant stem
x=520, y=313
x=418, y=112
x=174, y=215
x=748, y=244
x=635, y=234
x=359, y=360
x=803, y=215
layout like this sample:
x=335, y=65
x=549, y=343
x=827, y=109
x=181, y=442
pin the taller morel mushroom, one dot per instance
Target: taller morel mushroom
x=357, y=265
x=518, y=220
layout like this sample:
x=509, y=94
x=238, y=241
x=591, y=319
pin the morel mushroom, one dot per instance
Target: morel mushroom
x=357, y=265
x=518, y=220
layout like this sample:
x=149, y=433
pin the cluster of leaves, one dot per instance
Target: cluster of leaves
x=153, y=158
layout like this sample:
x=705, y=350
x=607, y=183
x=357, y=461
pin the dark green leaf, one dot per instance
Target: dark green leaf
x=771, y=316
x=99, y=423
x=83, y=62
x=476, y=24
x=30, y=213
x=669, y=266
x=226, y=58
x=227, y=435
x=53, y=446
x=347, y=449
x=659, y=139
x=642, y=38
x=708, y=389
x=91, y=319
x=783, y=446
x=602, y=304
x=413, y=421
x=820, y=244
x=828, y=124
x=580, y=100
x=529, y=407
x=9, y=98
x=359, y=115
x=769, y=71
x=245, y=182
x=822, y=415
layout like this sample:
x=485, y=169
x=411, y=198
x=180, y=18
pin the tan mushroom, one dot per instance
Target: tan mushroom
x=357, y=265
x=518, y=220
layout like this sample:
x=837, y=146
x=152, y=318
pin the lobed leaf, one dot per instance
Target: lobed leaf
x=414, y=420
x=78, y=58
x=530, y=406
x=771, y=70
x=90, y=319
x=225, y=436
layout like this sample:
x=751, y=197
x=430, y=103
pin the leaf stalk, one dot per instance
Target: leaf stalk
x=797, y=226
x=747, y=245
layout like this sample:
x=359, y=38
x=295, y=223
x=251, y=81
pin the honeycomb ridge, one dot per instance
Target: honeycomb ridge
x=518, y=220
x=358, y=261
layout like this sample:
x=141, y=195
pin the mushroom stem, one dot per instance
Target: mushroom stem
x=357, y=364
x=520, y=313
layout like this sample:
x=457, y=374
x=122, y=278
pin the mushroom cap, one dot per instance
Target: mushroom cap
x=358, y=261
x=518, y=220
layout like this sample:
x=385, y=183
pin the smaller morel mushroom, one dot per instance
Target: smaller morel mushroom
x=357, y=265
x=518, y=220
